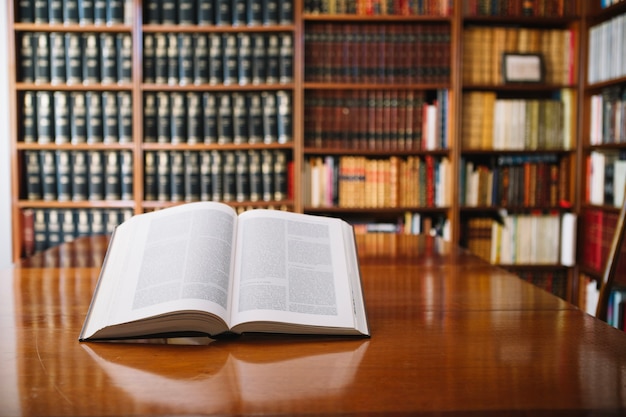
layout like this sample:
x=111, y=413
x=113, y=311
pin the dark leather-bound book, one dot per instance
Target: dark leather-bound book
x=150, y=119
x=240, y=118
x=244, y=59
x=42, y=59
x=178, y=116
x=163, y=176
x=64, y=175
x=58, y=63
x=216, y=175
x=91, y=59
x=209, y=106
x=86, y=12
x=254, y=11
x=284, y=117
x=239, y=12
x=112, y=186
x=48, y=175
x=195, y=133
x=33, y=170
x=192, y=176
x=270, y=132
x=126, y=174
x=78, y=161
x=44, y=114
x=187, y=12
x=164, y=121
x=68, y=225
x=95, y=184
x=205, y=175
x=242, y=176
x=224, y=119
x=177, y=171
x=255, y=118
x=61, y=117
x=256, y=180
x=29, y=119
x=185, y=59
x=200, y=62
x=110, y=112
x=229, y=188
x=125, y=117
x=100, y=12
x=206, y=12
x=173, y=52
x=150, y=176
x=73, y=58
x=160, y=59
x=124, y=52
x=28, y=53
x=55, y=11
x=216, y=59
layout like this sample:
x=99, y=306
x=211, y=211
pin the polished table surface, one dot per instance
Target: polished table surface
x=451, y=335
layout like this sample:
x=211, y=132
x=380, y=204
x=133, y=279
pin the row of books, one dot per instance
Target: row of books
x=523, y=239
x=483, y=47
x=379, y=7
x=381, y=53
x=607, y=50
x=219, y=12
x=65, y=175
x=534, y=8
x=525, y=181
x=598, y=229
x=75, y=58
x=242, y=176
x=45, y=228
x=605, y=172
x=77, y=117
x=84, y=12
x=218, y=118
x=410, y=223
x=214, y=58
x=361, y=182
x=525, y=124
x=608, y=116
x=376, y=119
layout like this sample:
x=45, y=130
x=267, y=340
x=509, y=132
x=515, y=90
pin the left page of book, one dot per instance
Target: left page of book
x=164, y=271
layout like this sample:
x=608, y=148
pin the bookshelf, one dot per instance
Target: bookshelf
x=361, y=111
x=518, y=138
x=603, y=146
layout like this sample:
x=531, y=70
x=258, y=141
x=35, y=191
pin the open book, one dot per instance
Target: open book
x=201, y=268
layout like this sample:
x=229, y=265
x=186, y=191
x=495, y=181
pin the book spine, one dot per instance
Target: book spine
x=83, y=226
x=150, y=177
x=160, y=59
x=200, y=59
x=53, y=227
x=216, y=60
x=284, y=120
x=223, y=12
x=230, y=59
x=41, y=12
x=186, y=12
x=91, y=59
x=285, y=12
x=270, y=12
x=68, y=226
x=33, y=175
x=28, y=56
x=178, y=121
x=192, y=176
x=209, y=105
x=58, y=67
x=255, y=176
x=124, y=53
x=206, y=12
x=224, y=120
x=115, y=12
x=40, y=230
x=126, y=174
x=55, y=12
x=95, y=185
x=150, y=119
x=206, y=185
x=254, y=12
x=29, y=118
x=255, y=118
x=270, y=132
x=61, y=117
x=216, y=176
x=244, y=59
x=186, y=59
x=79, y=175
x=272, y=59
x=48, y=175
x=173, y=67
x=177, y=181
x=149, y=57
x=163, y=176
x=112, y=186
x=125, y=117
x=44, y=117
x=110, y=125
x=239, y=12
x=96, y=220
x=267, y=174
x=64, y=175
x=168, y=12
x=164, y=121
x=26, y=11
x=240, y=119
x=258, y=60
x=229, y=189
x=73, y=59
x=194, y=118
x=100, y=12
x=242, y=176
x=280, y=175
x=108, y=58
x=42, y=59
x=86, y=12
x=285, y=69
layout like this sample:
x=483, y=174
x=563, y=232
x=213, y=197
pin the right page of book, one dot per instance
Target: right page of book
x=295, y=274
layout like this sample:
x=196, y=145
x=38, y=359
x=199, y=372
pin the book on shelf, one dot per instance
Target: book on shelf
x=379, y=8
x=229, y=284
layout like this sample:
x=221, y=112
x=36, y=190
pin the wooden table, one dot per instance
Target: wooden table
x=450, y=335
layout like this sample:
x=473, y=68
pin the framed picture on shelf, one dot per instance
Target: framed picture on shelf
x=522, y=68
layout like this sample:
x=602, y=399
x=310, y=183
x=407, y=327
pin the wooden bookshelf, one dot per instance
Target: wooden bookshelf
x=344, y=106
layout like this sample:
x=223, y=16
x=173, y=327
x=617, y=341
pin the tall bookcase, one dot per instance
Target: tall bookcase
x=364, y=110
x=518, y=140
x=603, y=144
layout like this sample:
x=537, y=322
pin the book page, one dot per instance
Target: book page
x=292, y=268
x=175, y=259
